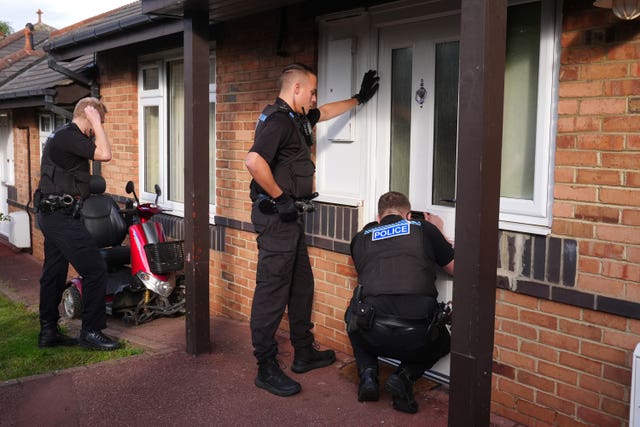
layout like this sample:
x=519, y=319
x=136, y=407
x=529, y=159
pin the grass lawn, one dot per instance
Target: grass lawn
x=19, y=352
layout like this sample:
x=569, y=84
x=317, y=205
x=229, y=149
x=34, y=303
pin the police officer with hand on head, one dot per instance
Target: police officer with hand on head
x=395, y=303
x=280, y=163
x=64, y=184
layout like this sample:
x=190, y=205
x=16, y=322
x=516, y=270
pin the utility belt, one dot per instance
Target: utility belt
x=68, y=204
x=400, y=322
x=267, y=205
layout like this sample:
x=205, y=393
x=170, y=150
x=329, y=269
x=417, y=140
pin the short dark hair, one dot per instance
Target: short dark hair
x=393, y=200
x=290, y=69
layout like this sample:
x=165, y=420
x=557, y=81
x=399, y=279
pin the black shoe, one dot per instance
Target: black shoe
x=401, y=388
x=52, y=337
x=271, y=378
x=308, y=358
x=96, y=340
x=368, y=387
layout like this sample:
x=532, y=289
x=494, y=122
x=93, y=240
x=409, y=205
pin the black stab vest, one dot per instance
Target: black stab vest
x=395, y=264
x=293, y=174
x=57, y=180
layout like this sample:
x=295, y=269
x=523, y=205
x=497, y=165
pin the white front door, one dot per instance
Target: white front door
x=6, y=167
x=418, y=122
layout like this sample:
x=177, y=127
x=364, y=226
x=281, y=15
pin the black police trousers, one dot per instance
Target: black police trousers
x=284, y=280
x=409, y=345
x=66, y=240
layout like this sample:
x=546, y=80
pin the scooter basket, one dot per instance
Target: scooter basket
x=165, y=257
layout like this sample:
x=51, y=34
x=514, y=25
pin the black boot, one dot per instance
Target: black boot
x=368, y=388
x=50, y=336
x=96, y=340
x=271, y=378
x=400, y=385
x=308, y=358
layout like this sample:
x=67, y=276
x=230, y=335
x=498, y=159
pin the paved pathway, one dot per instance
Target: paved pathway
x=167, y=387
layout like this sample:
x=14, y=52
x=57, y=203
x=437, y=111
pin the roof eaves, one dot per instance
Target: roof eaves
x=102, y=31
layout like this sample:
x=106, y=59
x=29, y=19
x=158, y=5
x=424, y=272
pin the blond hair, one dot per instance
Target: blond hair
x=94, y=102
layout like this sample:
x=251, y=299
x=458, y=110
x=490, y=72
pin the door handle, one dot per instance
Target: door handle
x=421, y=93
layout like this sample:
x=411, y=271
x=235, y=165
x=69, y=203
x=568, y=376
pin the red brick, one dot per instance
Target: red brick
x=565, y=174
x=574, y=229
x=598, y=418
x=560, y=341
x=583, y=330
x=621, y=340
x=580, y=89
x=578, y=395
x=603, y=71
x=596, y=213
x=539, y=351
x=598, y=176
x=600, y=285
x=614, y=233
x=575, y=192
x=602, y=249
x=535, y=411
x=628, y=123
x=518, y=329
x=551, y=401
x=604, y=387
x=603, y=106
x=622, y=87
x=540, y=383
x=603, y=353
x=631, y=217
x=632, y=179
x=600, y=142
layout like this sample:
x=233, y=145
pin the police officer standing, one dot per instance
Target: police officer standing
x=64, y=184
x=280, y=163
x=393, y=306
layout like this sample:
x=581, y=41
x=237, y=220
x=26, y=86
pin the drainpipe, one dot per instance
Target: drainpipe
x=30, y=193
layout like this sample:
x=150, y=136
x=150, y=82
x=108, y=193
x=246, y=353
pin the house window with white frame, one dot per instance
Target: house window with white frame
x=161, y=116
x=47, y=123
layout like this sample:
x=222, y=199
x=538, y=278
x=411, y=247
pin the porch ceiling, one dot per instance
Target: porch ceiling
x=145, y=20
x=219, y=10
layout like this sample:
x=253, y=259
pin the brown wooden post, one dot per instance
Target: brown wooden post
x=482, y=59
x=196, y=174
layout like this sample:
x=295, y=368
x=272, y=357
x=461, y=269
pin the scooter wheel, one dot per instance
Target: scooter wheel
x=71, y=303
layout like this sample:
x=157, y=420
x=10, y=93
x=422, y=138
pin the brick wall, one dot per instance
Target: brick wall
x=119, y=91
x=563, y=348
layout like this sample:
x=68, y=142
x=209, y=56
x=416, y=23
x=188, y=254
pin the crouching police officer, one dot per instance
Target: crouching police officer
x=394, y=311
x=64, y=184
x=280, y=163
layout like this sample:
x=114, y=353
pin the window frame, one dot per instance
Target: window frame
x=159, y=98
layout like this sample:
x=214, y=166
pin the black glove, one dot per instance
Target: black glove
x=368, y=88
x=286, y=208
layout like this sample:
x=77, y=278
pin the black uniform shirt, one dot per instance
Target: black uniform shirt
x=277, y=140
x=409, y=306
x=70, y=147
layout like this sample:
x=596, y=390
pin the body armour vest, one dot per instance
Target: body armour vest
x=293, y=174
x=393, y=261
x=57, y=180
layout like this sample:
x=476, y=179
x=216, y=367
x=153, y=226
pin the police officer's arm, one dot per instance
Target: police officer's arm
x=368, y=88
x=261, y=172
x=103, y=148
x=334, y=109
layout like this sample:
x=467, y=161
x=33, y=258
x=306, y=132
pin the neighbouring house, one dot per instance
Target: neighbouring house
x=34, y=100
x=567, y=314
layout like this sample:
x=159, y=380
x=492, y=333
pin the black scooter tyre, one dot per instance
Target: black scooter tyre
x=71, y=303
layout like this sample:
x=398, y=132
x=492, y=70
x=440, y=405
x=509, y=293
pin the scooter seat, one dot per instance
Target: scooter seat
x=116, y=256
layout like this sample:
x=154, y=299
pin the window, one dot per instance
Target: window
x=161, y=83
x=528, y=135
x=47, y=123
